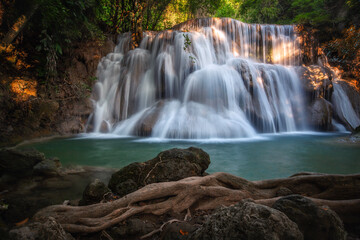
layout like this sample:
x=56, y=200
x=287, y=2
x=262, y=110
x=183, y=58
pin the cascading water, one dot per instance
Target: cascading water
x=343, y=106
x=207, y=78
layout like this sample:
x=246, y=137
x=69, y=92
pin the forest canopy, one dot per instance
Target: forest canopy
x=53, y=26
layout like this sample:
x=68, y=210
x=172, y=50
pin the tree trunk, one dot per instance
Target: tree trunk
x=18, y=26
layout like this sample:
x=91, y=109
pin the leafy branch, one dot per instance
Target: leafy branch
x=187, y=44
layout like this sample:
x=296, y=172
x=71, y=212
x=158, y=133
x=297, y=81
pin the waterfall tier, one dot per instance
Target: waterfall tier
x=206, y=78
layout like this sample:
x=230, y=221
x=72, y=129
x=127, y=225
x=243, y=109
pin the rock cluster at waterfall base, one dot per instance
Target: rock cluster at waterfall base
x=220, y=206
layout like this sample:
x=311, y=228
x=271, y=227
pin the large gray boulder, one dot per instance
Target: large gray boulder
x=169, y=165
x=313, y=221
x=247, y=220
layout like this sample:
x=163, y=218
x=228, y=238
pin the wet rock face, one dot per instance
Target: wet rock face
x=318, y=89
x=317, y=82
x=247, y=220
x=321, y=114
x=313, y=221
x=149, y=120
x=170, y=165
x=353, y=92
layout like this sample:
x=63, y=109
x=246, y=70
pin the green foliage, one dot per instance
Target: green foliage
x=187, y=42
x=314, y=12
x=200, y=7
x=59, y=24
x=56, y=25
x=311, y=12
x=176, y=12
x=228, y=9
x=53, y=27
x=259, y=11
x=182, y=10
x=67, y=20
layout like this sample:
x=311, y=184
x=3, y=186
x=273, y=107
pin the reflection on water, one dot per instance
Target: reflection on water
x=265, y=157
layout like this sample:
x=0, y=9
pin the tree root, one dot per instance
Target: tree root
x=339, y=192
x=159, y=229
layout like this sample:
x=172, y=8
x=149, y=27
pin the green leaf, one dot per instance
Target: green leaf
x=58, y=49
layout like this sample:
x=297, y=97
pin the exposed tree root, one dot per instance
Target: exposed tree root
x=340, y=192
x=159, y=229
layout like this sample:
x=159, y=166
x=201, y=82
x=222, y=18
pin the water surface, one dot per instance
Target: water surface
x=265, y=157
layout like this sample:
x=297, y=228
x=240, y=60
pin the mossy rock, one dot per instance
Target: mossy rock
x=169, y=165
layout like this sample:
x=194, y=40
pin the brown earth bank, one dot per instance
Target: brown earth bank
x=170, y=197
x=32, y=106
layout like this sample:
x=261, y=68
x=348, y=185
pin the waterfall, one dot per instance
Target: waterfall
x=343, y=106
x=206, y=78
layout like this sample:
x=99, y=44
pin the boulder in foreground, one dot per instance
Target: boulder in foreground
x=169, y=165
x=248, y=220
x=314, y=222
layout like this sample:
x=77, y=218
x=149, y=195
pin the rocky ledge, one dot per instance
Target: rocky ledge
x=172, y=197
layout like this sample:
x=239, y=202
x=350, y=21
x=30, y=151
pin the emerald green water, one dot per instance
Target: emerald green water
x=269, y=156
